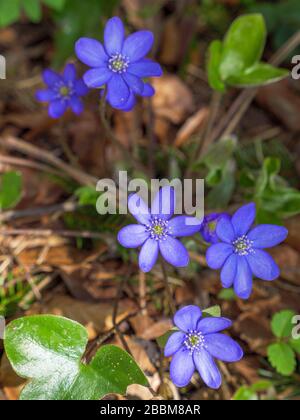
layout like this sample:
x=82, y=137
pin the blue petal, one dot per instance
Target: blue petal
x=224, y=230
x=174, y=252
x=187, y=318
x=243, y=219
x=174, y=343
x=114, y=33
x=81, y=88
x=148, y=90
x=163, y=205
x=228, y=272
x=208, y=229
x=91, y=52
x=96, y=78
x=45, y=95
x=57, y=108
x=207, y=369
x=262, y=265
x=223, y=347
x=139, y=209
x=76, y=105
x=69, y=73
x=266, y=236
x=243, y=280
x=129, y=104
x=137, y=45
x=213, y=324
x=182, y=368
x=134, y=82
x=132, y=236
x=51, y=78
x=118, y=91
x=217, y=254
x=145, y=68
x=148, y=255
x=184, y=226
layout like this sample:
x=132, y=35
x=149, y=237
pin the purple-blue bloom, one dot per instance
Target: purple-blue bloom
x=120, y=64
x=240, y=254
x=208, y=228
x=157, y=230
x=195, y=346
x=63, y=91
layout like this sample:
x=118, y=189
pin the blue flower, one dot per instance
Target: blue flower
x=157, y=232
x=240, y=252
x=196, y=345
x=120, y=64
x=62, y=91
x=208, y=228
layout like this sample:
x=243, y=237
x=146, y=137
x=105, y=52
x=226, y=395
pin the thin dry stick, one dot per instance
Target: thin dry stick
x=28, y=149
x=51, y=232
x=13, y=161
x=114, y=139
x=65, y=207
x=167, y=288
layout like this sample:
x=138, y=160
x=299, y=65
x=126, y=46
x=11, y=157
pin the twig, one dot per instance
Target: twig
x=13, y=161
x=51, y=232
x=167, y=287
x=65, y=207
x=45, y=156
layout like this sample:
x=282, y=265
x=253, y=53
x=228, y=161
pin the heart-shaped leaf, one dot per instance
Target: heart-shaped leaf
x=243, y=45
x=48, y=349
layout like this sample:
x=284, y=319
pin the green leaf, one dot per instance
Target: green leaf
x=258, y=75
x=282, y=358
x=295, y=344
x=245, y=393
x=243, y=45
x=55, y=4
x=213, y=66
x=281, y=323
x=9, y=12
x=32, y=9
x=214, y=311
x=162, y=340
x=48, y=349
x=10, y=189
x=87, y=196
x=219, y=154
x=227, y=294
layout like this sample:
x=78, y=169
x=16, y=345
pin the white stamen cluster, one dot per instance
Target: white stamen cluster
x=194, y=341
x=64, y=91
x=118, y=63
x=159, y=229
x=243, y=245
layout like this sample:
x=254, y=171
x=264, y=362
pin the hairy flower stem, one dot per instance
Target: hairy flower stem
x=205, y=138
x=114, y=139
x=167, y=288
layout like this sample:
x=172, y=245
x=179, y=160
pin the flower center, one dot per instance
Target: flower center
x=194, y=340
x=212, y=225
x=64, y=91
x=118, y=63
x=242, y=245
x=158, y=229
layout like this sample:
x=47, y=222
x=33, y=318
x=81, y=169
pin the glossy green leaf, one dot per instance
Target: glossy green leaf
x=48, y=350
x=213, y=66
x=10, y=189
x=243, y=45
x=9, y=11
x=282, y=324
x=282, y=358
x=258, y=75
